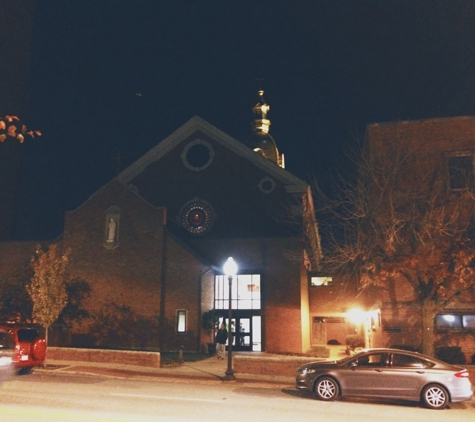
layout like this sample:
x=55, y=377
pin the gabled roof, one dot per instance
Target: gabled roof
x=104, y=187
x=198, y=124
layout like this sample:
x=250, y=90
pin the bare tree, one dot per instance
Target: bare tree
x=398, y=221
x=48, y=289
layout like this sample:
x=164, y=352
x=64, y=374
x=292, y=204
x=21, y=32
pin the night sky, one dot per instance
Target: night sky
x=109, y=76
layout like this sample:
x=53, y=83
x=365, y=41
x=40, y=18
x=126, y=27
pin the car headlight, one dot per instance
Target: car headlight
x=306, y=371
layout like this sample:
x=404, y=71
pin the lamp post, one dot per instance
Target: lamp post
x=230, y=269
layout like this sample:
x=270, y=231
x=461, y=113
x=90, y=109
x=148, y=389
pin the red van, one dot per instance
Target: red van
x=30, y=346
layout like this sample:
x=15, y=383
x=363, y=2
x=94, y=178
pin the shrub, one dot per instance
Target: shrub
x=450, y=354
x=119, y=327
x=209, y=322
x=354, y=340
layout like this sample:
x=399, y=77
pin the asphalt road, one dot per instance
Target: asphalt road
x=69, y=397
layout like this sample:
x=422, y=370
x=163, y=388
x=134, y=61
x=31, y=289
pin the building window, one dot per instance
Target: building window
x=245, y=292
x=181, y=321
x=330, y=319
x=318, y=281
x=455, y=322
x=197, y=216
x=197, y=155
x=266, y=185
x=460, y=172
x=111, y=233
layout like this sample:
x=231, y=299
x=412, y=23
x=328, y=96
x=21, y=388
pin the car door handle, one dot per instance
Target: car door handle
x=420, y=372
x=378, y=370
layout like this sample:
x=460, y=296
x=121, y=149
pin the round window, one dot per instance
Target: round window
x=197, y=217
x=197, y=155
x=266, y=185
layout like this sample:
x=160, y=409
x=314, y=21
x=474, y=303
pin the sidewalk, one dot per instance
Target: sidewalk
x=210, y=369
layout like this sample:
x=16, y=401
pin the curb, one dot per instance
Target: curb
x=81, y=368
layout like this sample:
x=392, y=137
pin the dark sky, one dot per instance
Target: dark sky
x=329, y=66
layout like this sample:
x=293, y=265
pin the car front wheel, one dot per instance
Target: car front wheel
x=326, y=388
x=435, y=396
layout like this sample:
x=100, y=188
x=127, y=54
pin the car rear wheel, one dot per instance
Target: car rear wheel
x=24, y=371
x=326, y=388
x=435, y=396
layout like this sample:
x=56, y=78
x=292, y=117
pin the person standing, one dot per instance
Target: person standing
x=221, y=338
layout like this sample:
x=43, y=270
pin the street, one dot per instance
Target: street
x=74, y=397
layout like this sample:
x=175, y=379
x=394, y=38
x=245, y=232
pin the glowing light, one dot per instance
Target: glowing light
x=356, y=315
x=230, y=267
x=449, y=318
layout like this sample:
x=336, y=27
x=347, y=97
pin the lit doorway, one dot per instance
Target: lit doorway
x=246, y=332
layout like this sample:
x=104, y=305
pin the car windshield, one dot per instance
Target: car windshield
x=27, y=334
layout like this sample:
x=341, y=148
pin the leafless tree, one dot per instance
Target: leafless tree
x=397, y=220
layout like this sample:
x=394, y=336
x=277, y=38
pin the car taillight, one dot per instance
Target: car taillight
x=462, y=374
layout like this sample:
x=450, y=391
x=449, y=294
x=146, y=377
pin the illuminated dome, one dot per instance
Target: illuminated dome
x=261, y=141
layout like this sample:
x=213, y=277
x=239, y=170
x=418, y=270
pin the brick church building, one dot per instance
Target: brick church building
x=155, y=238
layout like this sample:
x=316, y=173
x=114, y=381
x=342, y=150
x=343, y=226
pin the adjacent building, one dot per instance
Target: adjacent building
x=436, y=187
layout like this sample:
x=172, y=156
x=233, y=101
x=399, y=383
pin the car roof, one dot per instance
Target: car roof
x=18, y=325
x=389, y=350
x=405, y=352
x=393, y=350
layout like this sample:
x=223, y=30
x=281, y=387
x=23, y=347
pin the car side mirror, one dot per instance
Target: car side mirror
x=353, y=365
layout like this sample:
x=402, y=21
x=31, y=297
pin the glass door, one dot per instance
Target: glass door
x=246, y=332
x=243, y=334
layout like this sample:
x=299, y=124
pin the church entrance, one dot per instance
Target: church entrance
x=246, y=330
x=246, y=324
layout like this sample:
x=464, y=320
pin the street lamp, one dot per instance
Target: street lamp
x=230, y=269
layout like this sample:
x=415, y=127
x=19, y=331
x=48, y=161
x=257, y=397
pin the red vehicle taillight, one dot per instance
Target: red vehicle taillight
x=462, y=374
x=17, y=354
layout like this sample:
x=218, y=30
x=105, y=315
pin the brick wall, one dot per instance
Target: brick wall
x=144, y=265
x=125, y=357
x=285, y=366
x=129, y=273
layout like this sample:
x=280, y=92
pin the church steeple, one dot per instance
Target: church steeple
x=261, y=141
x=261, y=124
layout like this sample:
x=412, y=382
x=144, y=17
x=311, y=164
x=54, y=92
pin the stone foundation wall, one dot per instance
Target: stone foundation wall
x=285, y=366
x=125, y=357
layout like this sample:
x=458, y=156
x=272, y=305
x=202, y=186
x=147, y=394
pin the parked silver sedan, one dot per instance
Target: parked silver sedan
x=387, y=373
